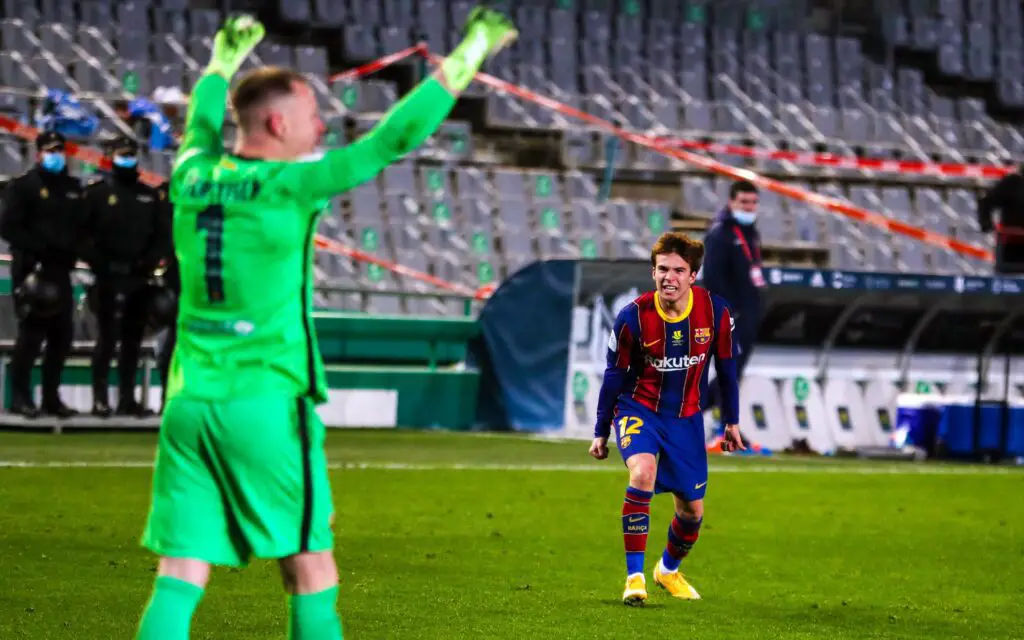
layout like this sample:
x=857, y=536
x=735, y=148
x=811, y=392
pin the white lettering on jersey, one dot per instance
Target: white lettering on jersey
x=674, y=364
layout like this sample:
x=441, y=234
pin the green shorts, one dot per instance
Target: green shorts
x=240, y=479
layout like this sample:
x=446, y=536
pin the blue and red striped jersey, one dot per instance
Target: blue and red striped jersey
x=663, y=364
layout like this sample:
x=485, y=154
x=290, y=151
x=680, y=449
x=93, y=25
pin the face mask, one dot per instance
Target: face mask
x=745, y=218
x=125, y=162
x=53, y=162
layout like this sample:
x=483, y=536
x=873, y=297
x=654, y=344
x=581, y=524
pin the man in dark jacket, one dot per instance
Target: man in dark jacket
x=43, y=221
x=732, y=267
x=126, y=243
x=1007, y=197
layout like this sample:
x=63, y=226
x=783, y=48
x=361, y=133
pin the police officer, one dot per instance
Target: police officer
x=43, y=222
x=126, y=243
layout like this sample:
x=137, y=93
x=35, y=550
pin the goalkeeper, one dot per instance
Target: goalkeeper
x=240, y=466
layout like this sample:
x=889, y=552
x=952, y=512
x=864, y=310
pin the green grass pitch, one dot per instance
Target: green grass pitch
x=434, y=544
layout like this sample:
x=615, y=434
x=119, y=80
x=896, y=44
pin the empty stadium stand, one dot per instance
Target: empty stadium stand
x=507, y=182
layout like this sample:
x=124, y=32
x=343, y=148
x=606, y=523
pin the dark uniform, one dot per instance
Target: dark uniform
x=126, y=243
x=43, y=221
x=172, y=280
x=732, y=269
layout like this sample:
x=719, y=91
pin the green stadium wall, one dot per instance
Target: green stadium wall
x=382, y=371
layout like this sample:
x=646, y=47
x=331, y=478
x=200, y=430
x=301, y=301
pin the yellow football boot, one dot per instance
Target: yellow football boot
x=674, y=583
x=636, y=590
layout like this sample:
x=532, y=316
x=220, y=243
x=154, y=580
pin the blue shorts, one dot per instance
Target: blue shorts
x=677, y=442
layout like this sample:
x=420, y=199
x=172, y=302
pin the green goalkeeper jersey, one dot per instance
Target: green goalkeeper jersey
x=244, y=237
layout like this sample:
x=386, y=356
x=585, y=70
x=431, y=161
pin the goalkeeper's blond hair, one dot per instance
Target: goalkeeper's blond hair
x=257, y=88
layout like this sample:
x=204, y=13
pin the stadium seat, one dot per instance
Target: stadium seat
x=773, y=229
x=400, y=179
x=805, y=225
x=328, y=13
x=204, y=22
x=365, y=201
x=12, y=161
x=508, y=184
x=312, y=60
x=551, y=239
x=52, y=38
x=358, y=43
x=472, y=184
x=199, y=47
x=398, y=13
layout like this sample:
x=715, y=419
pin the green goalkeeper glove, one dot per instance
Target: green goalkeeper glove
x=486, y=33
x=233, y=42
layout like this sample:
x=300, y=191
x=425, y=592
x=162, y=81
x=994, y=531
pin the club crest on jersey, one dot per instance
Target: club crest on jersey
x=702, y=335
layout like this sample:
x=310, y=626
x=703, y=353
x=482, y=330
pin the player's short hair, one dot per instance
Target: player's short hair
x=258, y=87
x=682, y=245
x=741, y=186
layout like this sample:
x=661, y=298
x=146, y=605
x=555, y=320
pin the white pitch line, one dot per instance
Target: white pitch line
x=841, y=469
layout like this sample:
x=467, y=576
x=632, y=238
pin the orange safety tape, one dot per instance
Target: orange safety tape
x=831, y=160
x=831, y=204
x=377, y=65
x=666, y=147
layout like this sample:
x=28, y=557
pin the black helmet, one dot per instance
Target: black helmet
x=163, y=307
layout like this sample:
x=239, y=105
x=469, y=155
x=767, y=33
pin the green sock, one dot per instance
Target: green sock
x=314, y=616
x=168, y=615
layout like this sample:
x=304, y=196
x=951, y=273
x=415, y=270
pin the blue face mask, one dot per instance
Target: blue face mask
x=53, y=162
x=125, y=162
x=745, y=218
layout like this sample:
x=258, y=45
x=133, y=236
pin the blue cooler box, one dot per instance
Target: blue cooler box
x=957, y=428
x=1015, y=439
x=917, y=421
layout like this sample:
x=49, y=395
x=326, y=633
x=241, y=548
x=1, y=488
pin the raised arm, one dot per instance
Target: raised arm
x=410, y=122
x=207, y=106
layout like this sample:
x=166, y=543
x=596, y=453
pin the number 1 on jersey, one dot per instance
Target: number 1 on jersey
x=211, y=220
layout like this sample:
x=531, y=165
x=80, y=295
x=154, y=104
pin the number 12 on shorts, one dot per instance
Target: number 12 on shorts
x=628, y=426
x=211, y=220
